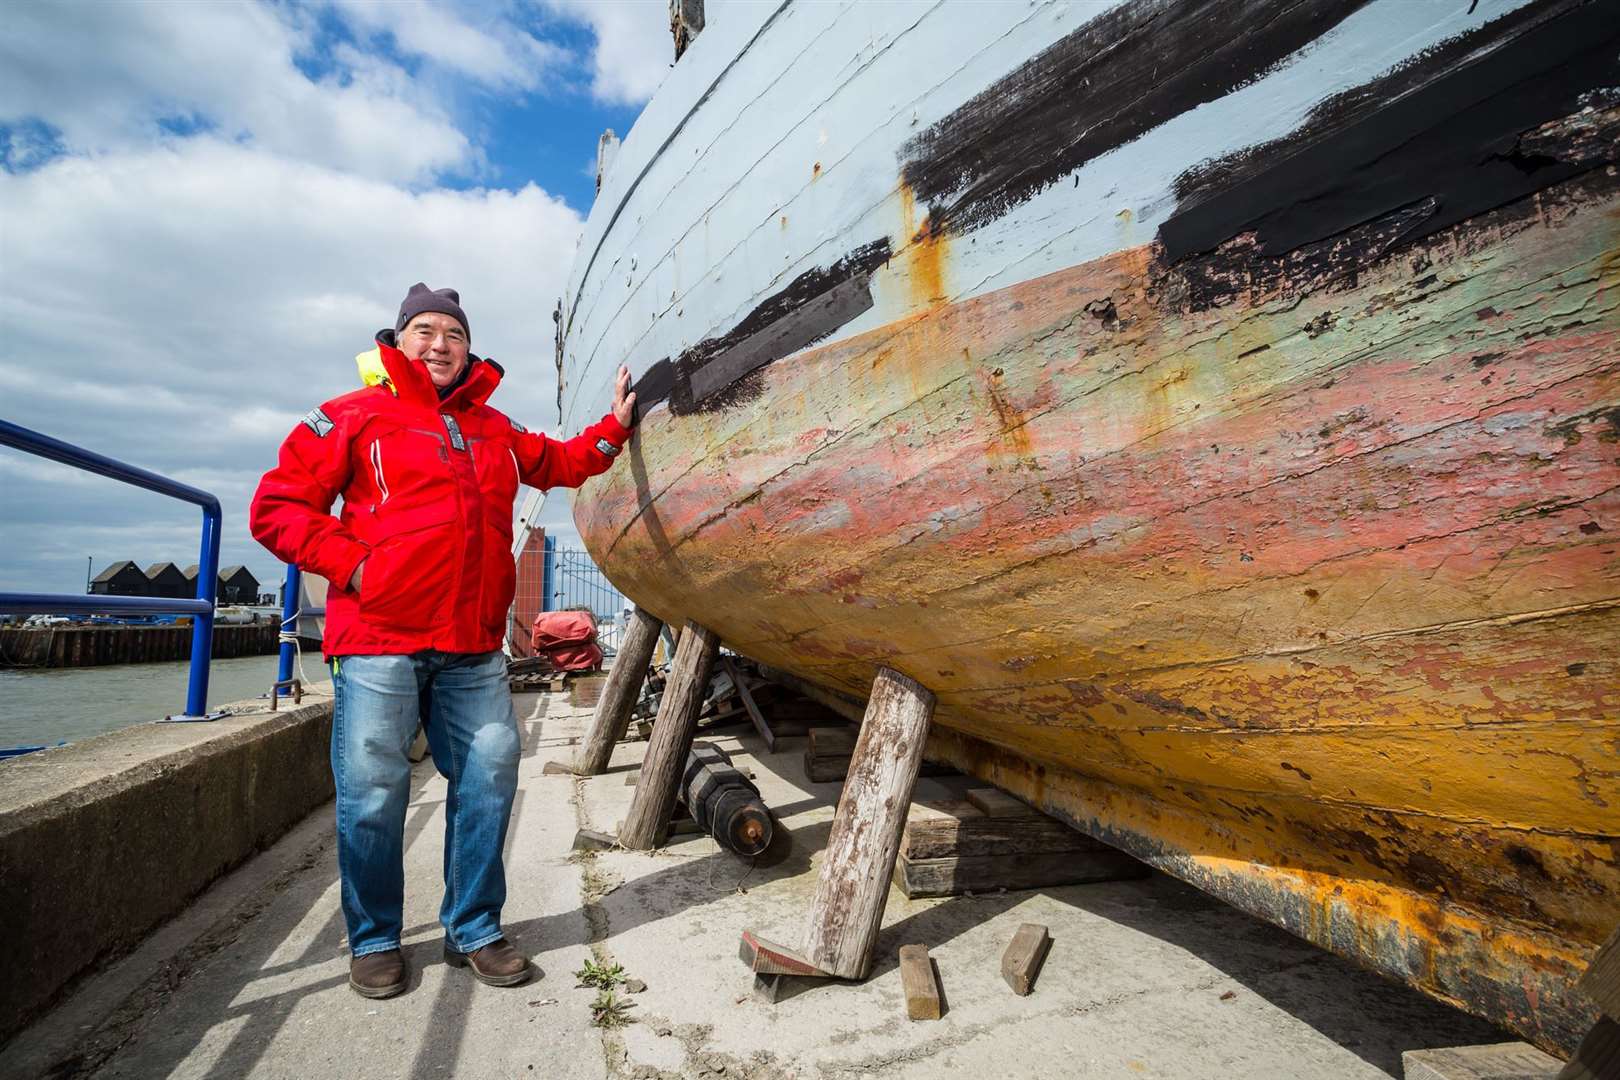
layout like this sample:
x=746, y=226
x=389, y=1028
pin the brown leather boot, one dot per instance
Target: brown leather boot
x=498, y=963
x=378, y=974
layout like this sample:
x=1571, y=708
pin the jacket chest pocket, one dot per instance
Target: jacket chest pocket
x=410, y=571
x=497, y=470
x=403, y=469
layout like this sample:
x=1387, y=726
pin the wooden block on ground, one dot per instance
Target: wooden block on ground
x=591, y=840
x=1498, y=1061
x=921, y=987
x=586, y=690
x=997, y=803
x=827, y=754
x=557, y=768
x=681, y=825
x=772, y=988
x=987, y=873
x=1601, y=982
x=767, y=958
x=826, y=770
x=1021, y=963
x=945, y=828
x=833, y=741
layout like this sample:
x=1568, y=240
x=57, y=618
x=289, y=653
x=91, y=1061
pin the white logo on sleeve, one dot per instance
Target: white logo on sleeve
x=318, y=422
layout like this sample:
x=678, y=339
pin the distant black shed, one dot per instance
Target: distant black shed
x=122, y=578
x=166, y=579
x=237, y=586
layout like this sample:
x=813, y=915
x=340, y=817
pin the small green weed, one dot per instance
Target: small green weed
x=602, y=976
x=609, y=1011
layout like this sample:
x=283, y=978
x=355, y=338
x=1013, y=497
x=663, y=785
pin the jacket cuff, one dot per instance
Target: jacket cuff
x=351, y=554
x=613, y=431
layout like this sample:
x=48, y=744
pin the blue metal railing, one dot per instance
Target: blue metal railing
x=200, y=609
x=288, y=638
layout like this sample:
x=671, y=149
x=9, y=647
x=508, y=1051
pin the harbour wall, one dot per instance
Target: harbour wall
x=103, y=840
x=91, y=646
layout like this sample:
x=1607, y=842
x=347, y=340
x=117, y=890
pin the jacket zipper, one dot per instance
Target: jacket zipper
x=377, y=470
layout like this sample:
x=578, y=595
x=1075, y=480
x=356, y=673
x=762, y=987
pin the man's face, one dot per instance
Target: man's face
x=439, y=342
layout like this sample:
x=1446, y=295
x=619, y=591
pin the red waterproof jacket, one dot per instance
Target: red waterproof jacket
x=427, y=488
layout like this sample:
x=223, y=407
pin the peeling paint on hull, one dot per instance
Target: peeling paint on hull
x=1294, y=573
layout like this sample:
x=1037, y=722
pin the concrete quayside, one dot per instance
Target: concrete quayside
x=1145, y=977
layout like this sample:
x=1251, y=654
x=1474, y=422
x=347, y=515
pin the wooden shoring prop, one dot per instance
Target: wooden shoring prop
x=671, y=741
x=747, y=697
x=1598, y=1055
x=619, y=695
x=866, y=830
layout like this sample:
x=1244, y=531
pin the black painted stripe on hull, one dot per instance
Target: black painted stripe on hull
x=712, y=373
x=1437, y=141
x=1120, y=75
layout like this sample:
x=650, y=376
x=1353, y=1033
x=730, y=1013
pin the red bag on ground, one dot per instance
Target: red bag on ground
x=553, y=628
x=586, y=657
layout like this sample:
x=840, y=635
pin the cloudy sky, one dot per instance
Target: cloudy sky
x=207, y=208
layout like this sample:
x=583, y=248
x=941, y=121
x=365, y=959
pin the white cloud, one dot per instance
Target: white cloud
x=110, y=75
x=633, y=51
x=496, y=53
x=206, y=209
x=179, y=306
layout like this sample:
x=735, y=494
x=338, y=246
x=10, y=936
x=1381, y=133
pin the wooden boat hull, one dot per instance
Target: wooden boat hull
x=1296, y=575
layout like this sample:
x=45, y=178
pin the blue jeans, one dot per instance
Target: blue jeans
x=463, y=702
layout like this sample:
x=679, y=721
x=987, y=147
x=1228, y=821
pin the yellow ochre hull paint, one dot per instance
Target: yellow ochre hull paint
x=1312, y=600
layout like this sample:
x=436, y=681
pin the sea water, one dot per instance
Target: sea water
x=51, y=705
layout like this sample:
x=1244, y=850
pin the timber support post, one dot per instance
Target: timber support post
x=866, y=830
x=672, y=733
x=620, y=693
x=1598, y=1055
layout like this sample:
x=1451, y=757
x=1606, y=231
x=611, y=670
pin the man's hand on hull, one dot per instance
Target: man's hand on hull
x=624, y=401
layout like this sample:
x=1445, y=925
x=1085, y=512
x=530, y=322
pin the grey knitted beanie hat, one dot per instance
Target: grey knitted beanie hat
x=420, y=298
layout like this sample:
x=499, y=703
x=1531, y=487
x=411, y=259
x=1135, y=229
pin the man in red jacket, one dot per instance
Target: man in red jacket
x=420, y=562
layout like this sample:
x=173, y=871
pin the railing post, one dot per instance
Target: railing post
x=202, y=624
x=548, y=575
x=289, y=625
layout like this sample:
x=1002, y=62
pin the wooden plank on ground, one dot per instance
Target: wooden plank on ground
x=997, y=803
x=1489, y=1062
x=947, y=828
x=768, y=958
x=918, y=981
x=987, y=873
x=1021, y=963
x=591, y=840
